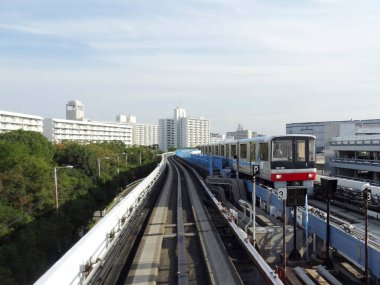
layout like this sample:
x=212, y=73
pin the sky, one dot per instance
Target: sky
x=260, y=63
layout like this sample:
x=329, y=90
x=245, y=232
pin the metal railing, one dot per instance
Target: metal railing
x=367, y=162
x=364, y=142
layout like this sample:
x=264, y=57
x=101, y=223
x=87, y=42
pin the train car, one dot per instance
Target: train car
x=284, y=160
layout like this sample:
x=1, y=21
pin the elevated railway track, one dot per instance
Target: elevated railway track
x=186, y=242
x=173, y=229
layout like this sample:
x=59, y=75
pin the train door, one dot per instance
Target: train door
x=252, y=155
x=243, y=157
x=233, y=149
x=264, y=160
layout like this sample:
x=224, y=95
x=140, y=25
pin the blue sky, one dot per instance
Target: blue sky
x=259, y=63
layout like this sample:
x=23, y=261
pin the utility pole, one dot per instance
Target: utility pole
x=367, y=197
x=282, y=195
x=56, y=183
x=284, y=236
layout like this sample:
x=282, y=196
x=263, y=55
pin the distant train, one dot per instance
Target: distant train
x=286, y=160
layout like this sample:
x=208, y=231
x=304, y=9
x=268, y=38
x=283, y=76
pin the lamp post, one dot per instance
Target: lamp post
x=56, y=182
x=99, y=158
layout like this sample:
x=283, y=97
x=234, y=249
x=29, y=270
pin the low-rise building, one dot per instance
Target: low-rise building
x=349, y=149
x=357, y=156
x=241, y=133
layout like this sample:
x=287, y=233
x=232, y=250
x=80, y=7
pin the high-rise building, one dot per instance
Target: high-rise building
x=142, y=134
x=10, y=121
x=166, y=138
x=179, y=113
x=182, y=132
x=146, y=134
x=193, y=132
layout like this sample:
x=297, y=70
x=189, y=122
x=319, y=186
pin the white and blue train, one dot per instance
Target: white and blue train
x=284, y=160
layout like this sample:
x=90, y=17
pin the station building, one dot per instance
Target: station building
x=10, y=121
x=351, y=149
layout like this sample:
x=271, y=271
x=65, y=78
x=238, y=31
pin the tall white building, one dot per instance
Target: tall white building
x=166, y=138
x=77, y=128
x=146, y=134
x=10, y=121
x=142, y=134
x=179, y=113
x=182, y=132
x=193, y=132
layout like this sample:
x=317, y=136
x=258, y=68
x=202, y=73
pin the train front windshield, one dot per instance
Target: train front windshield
x=293, y=151
x=282, y=150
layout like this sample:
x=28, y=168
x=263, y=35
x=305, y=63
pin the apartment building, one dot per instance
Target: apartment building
x=10, y=121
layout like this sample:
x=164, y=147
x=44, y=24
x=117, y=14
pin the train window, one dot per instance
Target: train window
x=216, y=150
x=264, y=151
x=222, y=150
x=311, y=150
x=282, y=150
x=253, y=151
x=227, y=150
x=301, y=150
x=233, y=150
x=243, y=151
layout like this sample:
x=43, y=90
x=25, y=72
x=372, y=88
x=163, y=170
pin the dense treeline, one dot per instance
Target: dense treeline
x=33, y=233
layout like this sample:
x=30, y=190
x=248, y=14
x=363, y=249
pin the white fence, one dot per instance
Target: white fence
x=88, y=253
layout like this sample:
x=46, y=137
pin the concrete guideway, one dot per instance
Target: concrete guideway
x=146, y=264
x=220, y=268
x=266, y=271
x=144, y=269
x=183, y=276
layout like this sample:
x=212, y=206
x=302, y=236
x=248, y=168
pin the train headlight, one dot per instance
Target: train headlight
x=311, y=175
x=278, y=176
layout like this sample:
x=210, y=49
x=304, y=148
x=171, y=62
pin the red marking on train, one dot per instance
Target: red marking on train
x=293, y=176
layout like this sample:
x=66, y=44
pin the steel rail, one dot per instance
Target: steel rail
x=220, y=268
x=183, y=276
x=266, y=271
